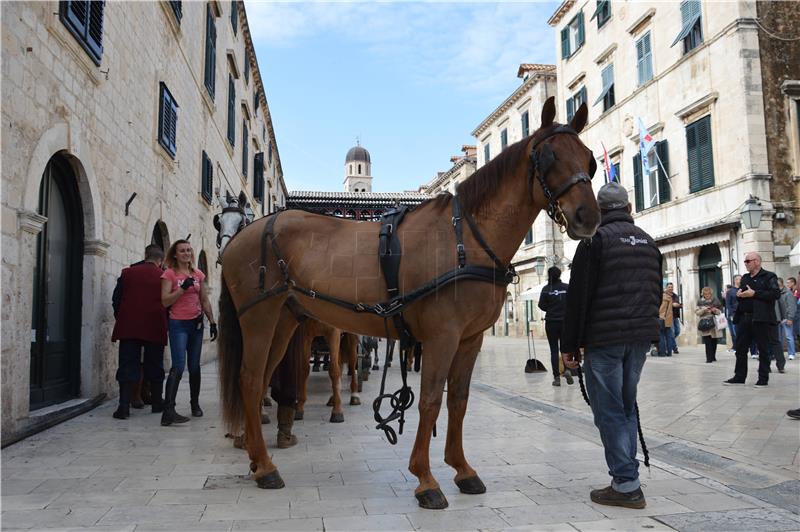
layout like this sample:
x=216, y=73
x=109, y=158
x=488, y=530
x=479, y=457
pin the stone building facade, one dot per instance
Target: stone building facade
x=122, y=123
x=705, y=80
x=513, y=120
x=463, y=166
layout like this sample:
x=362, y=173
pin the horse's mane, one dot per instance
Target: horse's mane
x=486, y=181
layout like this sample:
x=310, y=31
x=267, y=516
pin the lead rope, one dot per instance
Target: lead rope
x=400, y=401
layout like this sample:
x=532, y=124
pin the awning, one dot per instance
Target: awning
x=695, y=242
x=533, y=293
x=794, y=255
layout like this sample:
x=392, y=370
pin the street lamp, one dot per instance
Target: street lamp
x=751, y=213
x=538, y=266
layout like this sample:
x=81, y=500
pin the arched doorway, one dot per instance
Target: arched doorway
x=160, y=236
x=202, y=264
x=58, y=280
x=711, y=274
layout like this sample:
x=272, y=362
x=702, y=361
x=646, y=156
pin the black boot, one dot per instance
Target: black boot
x=194, y=392
x=157, y=403
x=169, y=416
x=124, y=409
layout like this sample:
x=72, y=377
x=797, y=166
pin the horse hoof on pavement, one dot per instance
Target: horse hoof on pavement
x=337, y=417
x=330, y=402
x=298, y=415
x=253, y=467
x=355, y=401
x=432, y=499
x=271, y=481
x=471, y=485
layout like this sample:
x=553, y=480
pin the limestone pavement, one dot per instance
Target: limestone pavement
x=722, y=459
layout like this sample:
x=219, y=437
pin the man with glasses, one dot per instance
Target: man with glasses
x=755, y=318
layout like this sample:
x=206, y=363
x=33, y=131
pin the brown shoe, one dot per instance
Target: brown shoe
x=611, y=497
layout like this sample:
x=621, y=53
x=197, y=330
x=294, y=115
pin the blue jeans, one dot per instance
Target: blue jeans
x=788, y=334
x=666, y=341
x=612, y=375
x=185, y=338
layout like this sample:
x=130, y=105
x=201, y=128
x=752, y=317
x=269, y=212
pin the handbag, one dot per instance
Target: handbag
x=720, y=321
x=706, y=323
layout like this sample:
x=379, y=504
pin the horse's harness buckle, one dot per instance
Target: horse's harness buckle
x=393, y=305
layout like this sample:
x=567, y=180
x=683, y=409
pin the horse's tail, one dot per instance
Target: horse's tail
x=229, y=350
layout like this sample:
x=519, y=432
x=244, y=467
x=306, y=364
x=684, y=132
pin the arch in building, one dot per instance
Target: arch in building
x=202, y=264
x=160, y=235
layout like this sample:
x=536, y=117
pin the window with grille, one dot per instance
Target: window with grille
x=607, y=94
x=575, y=102
x=652, y=186
x=211, y=52
x=167, y=120
x=691, y=26
x=644, y=59
x=84, y=20
x=572, y=36
x=207, y=178
x=701, y=157
x=602, y=13
x=231, y=111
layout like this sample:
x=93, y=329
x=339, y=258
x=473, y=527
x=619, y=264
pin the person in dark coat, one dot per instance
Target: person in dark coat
x=731, y=303
x=755, y=318
x=141, y=326
x=612, y=314
x=553, y=301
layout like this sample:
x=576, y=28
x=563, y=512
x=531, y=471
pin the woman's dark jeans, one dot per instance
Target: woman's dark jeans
x=185, y=338
x=553, y=330
x=711, y=348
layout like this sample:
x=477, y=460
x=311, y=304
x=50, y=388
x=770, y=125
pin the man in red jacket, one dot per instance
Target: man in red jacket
x=141, y=324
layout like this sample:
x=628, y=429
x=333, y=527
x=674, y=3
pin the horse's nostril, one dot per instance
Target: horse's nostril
x=579, y=215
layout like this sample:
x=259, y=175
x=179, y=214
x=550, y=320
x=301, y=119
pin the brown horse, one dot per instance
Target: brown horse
x=297, y=256
x=339, y=344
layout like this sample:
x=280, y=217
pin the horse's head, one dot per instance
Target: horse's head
x=563, y=167
x=230, y=221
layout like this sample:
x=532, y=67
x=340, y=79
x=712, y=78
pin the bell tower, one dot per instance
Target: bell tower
x=357, y=170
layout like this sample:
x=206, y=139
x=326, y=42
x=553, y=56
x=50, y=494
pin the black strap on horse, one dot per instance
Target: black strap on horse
x=400, y=401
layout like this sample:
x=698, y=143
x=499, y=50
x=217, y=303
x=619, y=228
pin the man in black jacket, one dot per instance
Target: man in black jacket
x=553, y=301
x=754, y=318
x=612, y=313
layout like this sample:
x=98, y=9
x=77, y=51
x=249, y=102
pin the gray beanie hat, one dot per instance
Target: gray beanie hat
x=612, y=196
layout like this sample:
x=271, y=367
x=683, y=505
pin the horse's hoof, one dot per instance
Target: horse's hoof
x=471, y=485
x=298, y=415
x=432, y=499
x=253, y=467
x=355, y=401
x=330, y=402
x=271, y=481
x=337, y=417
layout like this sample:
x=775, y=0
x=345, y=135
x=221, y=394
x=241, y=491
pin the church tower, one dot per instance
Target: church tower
x=357, y=170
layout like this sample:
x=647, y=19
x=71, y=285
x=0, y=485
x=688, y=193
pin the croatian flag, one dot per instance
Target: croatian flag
x=611, y=175
x=646, y=142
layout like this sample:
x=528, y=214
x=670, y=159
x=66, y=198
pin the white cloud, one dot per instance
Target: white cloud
x=473, y=47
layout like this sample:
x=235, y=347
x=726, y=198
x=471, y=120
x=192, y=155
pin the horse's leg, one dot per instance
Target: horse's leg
x=458, y=381
x=351, y=343
x=305, y=371
x=435, y=367
x=333, y=336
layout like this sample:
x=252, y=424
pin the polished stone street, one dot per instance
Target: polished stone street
x=723, y=458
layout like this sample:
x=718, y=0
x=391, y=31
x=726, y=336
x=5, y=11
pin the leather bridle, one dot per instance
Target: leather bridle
x=542, y=161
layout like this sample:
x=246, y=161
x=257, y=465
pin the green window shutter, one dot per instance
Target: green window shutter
x=692, y=154
x=245, y=142
x=582, y=94
x=84, y=19
x=581, y=32
x=565, y=43
x=177, y=8
x=705, y=157
x=247, y=66
x=211, y=52
x=167, y=120
x=640, y=59
x=234, y=16
x=231, y=111
x=570, y=109
x=95, y=34
x=258, y=176
x=638, y=186
x=207, y=182
x=664, y=189
x=525, y=124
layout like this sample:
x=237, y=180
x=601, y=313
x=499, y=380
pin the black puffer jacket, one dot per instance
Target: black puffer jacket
x=615, y=287
x=554, y=300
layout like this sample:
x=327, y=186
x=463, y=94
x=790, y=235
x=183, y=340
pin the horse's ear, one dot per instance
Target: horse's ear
x=579, y=120
x=228, y=197
x=548, y=112
x=242, y=199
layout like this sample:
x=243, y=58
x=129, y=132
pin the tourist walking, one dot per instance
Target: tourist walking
x=665, y=319
x=676, y=317
x=612, y=315
x=731, y=302
x=708, y=307
x=553, y=301
x=183, y=291
x=141, y=327
x=787, y=307
x=755, y=318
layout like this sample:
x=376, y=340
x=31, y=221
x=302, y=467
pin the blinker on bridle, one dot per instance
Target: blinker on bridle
x=542, y=161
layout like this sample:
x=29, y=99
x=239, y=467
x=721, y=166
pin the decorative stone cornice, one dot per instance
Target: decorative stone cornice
x=654, y=129
x=791, y=87
x=98, y=248
x=605, y=53
x=30, y=222
x=515, y=96
x=640, y=22
x=698, y=105
x=562, y=10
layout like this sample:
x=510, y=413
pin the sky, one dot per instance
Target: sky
x=410, y=80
